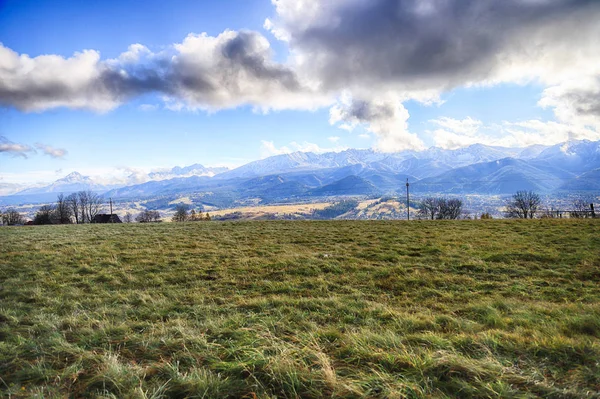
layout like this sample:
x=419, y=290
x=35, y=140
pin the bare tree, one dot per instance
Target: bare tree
x=523, y=205
x=429, y=208
x=154, y=216
x=142, y=217
x=148, y=216
x=90, y=204
x=128, y=218
x=75, y=206
x=83, y=205
x=94, y=204
x=11, y=217
x=62, y=211
x=581, y=208
x=181, y=213
x=450, y=208
x=440, y=208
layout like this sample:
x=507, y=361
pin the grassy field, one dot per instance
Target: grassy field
x=339, y=309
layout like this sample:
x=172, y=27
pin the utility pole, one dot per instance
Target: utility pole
x=407, y=202
x=110, y=199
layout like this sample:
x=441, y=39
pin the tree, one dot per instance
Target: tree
x=194, y=217
x=429, y=208
x=148, y=216
x=74, y=205
x=62, y=211
x=450, y=208
x=45, y=215
x=181, y=213
x=11, y=217
x=207, y=217
x=89, y=205
x=128, y=218
x=581, y=208
x=440, y=208
x=83, y=205
x=523, y=205
x=154, y=216
x=143, y=217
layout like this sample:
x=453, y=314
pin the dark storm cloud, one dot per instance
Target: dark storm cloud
x=244, y=52
x=366, y=111
x=430, y=43
x=232, y=69
x=587, y=103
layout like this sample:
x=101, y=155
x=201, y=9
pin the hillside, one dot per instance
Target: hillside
x=340, y=309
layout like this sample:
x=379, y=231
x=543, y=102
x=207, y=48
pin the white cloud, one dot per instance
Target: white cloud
x=462, y=133
x=418, y=49
x=51, y=151
x=373, y=55
x=467, y=126
x=333, y=139
x=268, y=148
x=202, y=72
x=14, y=149
x=456, y=133
x=50, y=81
x=575, y=101
x=385, y=116
x=545, y=132
x=413, y=46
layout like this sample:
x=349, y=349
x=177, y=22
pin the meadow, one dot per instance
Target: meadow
x=331, y=309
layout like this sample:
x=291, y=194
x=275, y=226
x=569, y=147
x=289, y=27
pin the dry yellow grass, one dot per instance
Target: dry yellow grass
x=256, y=211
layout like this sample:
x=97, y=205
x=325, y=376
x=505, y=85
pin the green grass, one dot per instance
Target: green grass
x=301, y=309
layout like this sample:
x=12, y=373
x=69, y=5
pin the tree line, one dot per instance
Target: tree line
x=79, y=207
x=83, y=206
x=184, y=214
x=521, y=205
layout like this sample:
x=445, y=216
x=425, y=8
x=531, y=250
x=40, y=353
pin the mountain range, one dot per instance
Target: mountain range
x=477, y=169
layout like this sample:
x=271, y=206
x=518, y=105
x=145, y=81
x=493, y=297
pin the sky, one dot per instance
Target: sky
x=114, y=88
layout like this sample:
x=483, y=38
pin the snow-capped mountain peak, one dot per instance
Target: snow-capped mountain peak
x=74, y=177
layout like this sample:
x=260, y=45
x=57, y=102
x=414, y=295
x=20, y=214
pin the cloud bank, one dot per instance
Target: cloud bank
x=363, y=58
x=202, y=72
x=419, y=49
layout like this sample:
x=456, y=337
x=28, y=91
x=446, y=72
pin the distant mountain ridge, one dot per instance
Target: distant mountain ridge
x=70, y=183
x=418, y=163
x=477, y=169
x=187, y=171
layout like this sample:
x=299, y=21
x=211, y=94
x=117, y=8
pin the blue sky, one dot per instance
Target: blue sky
x=141, y=129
